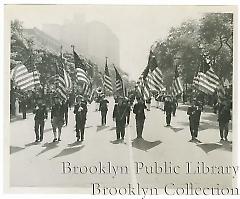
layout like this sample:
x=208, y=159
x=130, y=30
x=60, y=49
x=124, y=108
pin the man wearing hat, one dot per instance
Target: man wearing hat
x=224, y=115
x=80, y=111
x=98, y=98
x=138, y=110
x=41, y=115
x=168, y=108
x=129, y=107
x=103, y=108
x=194, y=112
x=175, y=105
x=119, y=116
x=65, y=106
x=57, y=118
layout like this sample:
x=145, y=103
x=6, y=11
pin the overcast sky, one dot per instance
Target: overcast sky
x=137, y=27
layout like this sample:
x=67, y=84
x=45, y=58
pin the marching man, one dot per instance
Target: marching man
x=80, y=111
x=57, y=119
x=119, y=116
x=41, y=115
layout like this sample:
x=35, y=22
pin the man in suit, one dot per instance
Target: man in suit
x=65, y=107
x=41, y=115
x=57, y=118
x=128, y=102
x=224, y=115
x=175, y=105
x=103, y=108
x=119, y=116
x=194, y=112
x=168, y=108
x=138, y=110
x=23, y=106
x=80, y=111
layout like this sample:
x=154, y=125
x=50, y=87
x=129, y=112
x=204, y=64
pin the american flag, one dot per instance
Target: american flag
x=60, y=81
x=177, y=87
x=68, y=80
x=208, y=81
x=107, y=79
x=195, y=80
x=81, y=69
x=146, y=91
x=143, y=88
x=155, y=79
x=153, y=74
x=119, y=83
x=87, y=89
x=221, y=91
x=152, y=64
x=23, y=79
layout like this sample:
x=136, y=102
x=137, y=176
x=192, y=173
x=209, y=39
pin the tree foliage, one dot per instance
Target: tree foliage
x=186, y=46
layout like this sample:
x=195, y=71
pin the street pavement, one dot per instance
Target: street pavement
x=40, y=164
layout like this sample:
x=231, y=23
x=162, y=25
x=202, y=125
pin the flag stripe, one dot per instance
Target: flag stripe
x=155, y=79
x=67, y=80
x=107, y=79
x=23, y=79
x=81, y=75
x=208, y=82
x=119, y=83
x=177, y=86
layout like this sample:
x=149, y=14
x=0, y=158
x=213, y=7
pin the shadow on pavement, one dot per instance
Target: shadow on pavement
x=32, y=144
x=120, y=141
x=68, y=151
x=144, y=145
x=49, y=146
x=76, y=143
x=227, y=146
x=208, y=147
x=100, y=128
x=203, y=125
x=210, y=117
x=14, y=149
x=113, y=128
x=195, y=141
x=207, y=125
x=115, y=141
x=87, y=127
x=46, y=130
x=176, y=129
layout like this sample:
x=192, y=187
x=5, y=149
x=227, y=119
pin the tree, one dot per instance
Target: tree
x=186, y=46
x=216, y=40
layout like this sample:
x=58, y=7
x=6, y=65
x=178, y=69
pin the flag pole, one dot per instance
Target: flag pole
x=74, y=82
x=104, y=77
x=73, y=47
x=34, y=68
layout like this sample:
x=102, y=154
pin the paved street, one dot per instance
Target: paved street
x=40, y=164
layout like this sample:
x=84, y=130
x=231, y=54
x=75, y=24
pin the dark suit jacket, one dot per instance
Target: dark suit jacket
x=41, y=113
x=80, y=115
x=103, y=105
x=57, y=111
x=120, y=112
x=138, y=110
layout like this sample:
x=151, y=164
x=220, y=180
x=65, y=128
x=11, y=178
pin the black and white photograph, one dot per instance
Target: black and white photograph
x=121, y=99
